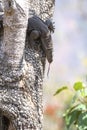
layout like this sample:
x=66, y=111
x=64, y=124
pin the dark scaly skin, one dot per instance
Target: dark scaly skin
x=43, y=36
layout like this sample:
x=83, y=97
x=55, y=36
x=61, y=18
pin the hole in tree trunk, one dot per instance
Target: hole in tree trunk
x=9, y=3
x=4, y=122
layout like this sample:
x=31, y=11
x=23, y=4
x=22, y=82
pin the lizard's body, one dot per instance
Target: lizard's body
x=43, y=35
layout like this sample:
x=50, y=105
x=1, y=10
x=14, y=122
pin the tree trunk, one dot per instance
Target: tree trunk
x=21, y=72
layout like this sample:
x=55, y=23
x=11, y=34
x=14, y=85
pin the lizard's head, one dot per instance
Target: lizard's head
x=50, y=25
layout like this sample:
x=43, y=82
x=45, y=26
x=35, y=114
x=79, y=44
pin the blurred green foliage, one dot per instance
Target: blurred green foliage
x=76, y=113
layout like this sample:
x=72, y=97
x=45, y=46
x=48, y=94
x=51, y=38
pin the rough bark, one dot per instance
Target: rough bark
x=42, y=8
x=21, y=70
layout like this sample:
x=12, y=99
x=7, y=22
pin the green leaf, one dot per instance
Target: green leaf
x=72, y=118
x=60, y=90
x=85, y=92
x=81, y=107
x=78, y=86
x=78, y=107
x=72, y=114
x=82, y=121
x=74, y=98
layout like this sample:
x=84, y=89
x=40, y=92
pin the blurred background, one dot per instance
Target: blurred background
x=70, y=59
